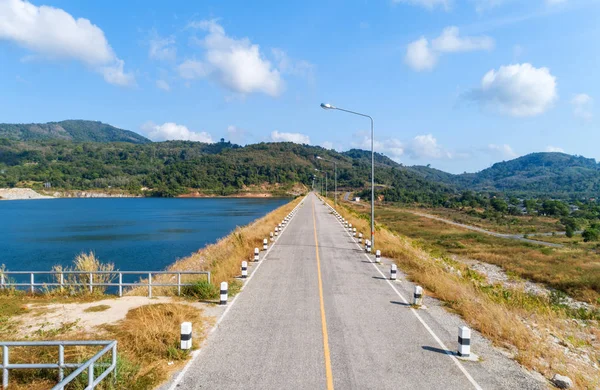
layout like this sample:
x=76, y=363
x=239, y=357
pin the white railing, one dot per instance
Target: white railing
x=108, y=346
x=60, y=279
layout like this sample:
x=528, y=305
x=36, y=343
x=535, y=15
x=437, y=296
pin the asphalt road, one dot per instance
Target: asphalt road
x=318, y=314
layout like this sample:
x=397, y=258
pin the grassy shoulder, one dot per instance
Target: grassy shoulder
x=574, y=269
x=540, y=333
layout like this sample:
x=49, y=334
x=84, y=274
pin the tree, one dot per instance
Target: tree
x=499, y=205
x=569, y=231
x=590, y=234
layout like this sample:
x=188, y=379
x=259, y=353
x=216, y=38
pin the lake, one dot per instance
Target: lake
x=133, y=233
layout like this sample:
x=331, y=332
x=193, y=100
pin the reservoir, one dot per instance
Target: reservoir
x=133, y=233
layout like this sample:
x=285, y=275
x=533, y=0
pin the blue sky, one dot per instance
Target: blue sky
x=458, y=84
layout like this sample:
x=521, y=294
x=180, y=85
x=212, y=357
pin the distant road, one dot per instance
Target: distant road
x=520, y=237
x=347, y=196
x=320, y=314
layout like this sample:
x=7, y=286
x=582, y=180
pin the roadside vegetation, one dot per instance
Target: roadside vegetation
x=540, y=332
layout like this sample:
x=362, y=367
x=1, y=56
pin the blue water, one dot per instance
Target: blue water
x=133, y=233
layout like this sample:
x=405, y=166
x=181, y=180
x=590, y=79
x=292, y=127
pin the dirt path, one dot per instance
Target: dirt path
x=519, y=237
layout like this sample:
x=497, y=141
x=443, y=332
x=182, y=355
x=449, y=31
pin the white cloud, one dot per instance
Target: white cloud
x=429, y=4
x=518, y=90
x=420, y=56
x=162, y=84
x=162, y=48
x=235, y=64
x=582, y=106
x=55, y=34
x=297, y=138
x=426, y=146
x=423, y=55
x=551, y=148
x=505, y=150
x=172, y=131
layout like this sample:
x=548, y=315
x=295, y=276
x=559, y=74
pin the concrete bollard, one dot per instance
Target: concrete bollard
x=223, y=293
x=393, y=272
x=271, y=236
x=354, y=232
x=360, y=238
x=265, y=244
x=244, y=269
x=369, y=246
x=378, y=256
x=464, y=341
x=418, y=296
x=186, y=335
x=256, y=251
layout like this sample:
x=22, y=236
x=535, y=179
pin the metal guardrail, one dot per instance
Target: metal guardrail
x=61, y=282
x=61, y=365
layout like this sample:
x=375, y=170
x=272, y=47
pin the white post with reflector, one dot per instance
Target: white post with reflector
x=256, y=251
x=418, y=296
x=271, y=236
x=186, y=335
x=265, y=244
x=223, y=293
x=244, y=269
x=464, y=341
x=378, y=256
x=360, y=238
x=393, y=272
x=354, y=232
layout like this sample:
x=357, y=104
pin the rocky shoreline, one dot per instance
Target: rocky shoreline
x=28, y=193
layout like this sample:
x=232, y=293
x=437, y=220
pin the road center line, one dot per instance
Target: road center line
x=328, y=373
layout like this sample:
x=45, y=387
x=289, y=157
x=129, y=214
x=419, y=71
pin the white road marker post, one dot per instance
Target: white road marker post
x=378, y=256
x=244, y=269
x=223, y=293
x=464, y=341
x=276, y=231
x=256, y=251
x=393, y=272
x=368, y=246
x=360, y=238
x=418, y=296
x=186, y=335
x=265, y=244
x=354, y=232
x=271, y=236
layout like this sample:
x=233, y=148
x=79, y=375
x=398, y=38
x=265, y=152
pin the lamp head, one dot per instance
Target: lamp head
x=327, y=106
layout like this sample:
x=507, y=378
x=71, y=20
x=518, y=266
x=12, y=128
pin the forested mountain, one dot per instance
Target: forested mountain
x=541, y=174
x=177, y=167
x=72, y=130
x=94, y=155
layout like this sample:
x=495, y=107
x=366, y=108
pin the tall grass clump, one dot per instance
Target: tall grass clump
x=76, y=284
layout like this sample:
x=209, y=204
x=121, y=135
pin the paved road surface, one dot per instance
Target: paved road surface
x=318, y=314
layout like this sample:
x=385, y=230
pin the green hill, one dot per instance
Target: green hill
x=70, y=130
x=176, y=167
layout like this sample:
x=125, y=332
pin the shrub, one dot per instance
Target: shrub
x=201, y=290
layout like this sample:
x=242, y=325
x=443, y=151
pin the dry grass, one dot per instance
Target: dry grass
x=86, y=262
x=147, y=341
x=523, y=324
x=223, y=259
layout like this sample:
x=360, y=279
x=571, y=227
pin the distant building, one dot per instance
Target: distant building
x=357, y=199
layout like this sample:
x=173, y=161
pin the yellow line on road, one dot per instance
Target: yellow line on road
x=328, y=374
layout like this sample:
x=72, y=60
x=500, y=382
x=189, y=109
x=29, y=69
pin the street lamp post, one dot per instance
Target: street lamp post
x=328, y=106
x=334, y=176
